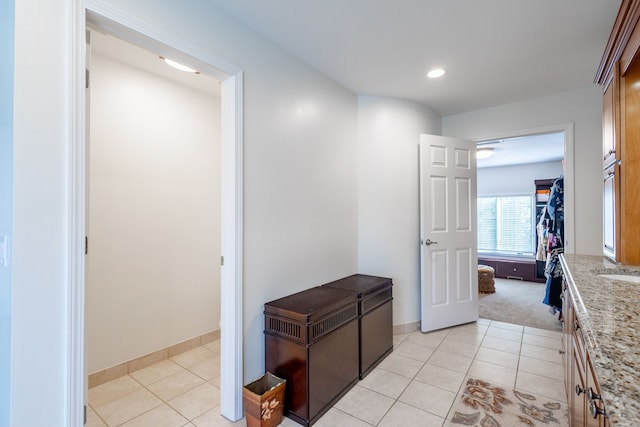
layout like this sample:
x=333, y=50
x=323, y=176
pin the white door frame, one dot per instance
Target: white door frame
x=133, y=30
x=569, y=177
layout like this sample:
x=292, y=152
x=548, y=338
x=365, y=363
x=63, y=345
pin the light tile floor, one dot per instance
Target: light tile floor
x=416, y=385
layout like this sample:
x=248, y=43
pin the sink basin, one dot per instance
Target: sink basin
x=622, y=277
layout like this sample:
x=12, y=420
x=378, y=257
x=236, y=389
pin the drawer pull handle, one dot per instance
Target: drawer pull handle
x=592, y=395
x=580, y=390
x=595, y=411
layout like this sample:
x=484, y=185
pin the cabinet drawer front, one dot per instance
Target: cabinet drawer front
x=516, y=269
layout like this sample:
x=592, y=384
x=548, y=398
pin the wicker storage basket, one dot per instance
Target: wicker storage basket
x=486, y=284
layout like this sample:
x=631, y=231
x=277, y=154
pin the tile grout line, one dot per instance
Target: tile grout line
x=440, y=347
x=519, y=354
x=412, y=379
x=162, y=401
x=466, y=376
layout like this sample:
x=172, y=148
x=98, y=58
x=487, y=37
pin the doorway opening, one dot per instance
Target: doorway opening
x=153, y=266
x=152, y=39
x=513, y=187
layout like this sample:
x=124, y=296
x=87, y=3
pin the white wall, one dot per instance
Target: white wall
x=153, y=270
x=300, y=184
x=388, y=204
x=516, y=179
x=6, y=198
x=41, y=264
x=584, y=109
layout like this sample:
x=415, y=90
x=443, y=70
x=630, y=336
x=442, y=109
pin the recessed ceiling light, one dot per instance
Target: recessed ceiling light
x=435, y=73
x=484, y=153
x=179, y=66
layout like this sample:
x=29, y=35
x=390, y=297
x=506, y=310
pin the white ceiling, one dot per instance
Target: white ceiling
x=520, y=150
x=115, y=48
x=494, y=51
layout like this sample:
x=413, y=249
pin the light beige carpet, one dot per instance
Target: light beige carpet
x=519, y=302
x=482, y=404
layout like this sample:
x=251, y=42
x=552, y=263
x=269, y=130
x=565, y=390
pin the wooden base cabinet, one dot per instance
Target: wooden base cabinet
x=311, y=340
x=324, y=339
x=375, y=317
x=583, y=393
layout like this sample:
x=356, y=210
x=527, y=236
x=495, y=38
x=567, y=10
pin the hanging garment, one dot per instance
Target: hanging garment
x=543, y=237
x=555, y=208
x=553, y=293
x=553, y=270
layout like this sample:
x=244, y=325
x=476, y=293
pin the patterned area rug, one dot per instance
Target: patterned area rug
x=484, y=405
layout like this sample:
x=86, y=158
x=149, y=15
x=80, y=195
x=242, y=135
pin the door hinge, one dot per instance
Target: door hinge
x=86, y=78
x=86, y=245
x=84, y=415
x=221, y=260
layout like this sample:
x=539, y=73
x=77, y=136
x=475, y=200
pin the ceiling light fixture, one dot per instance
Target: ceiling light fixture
x=484, y=153
x=435, y=73
x=178, y=66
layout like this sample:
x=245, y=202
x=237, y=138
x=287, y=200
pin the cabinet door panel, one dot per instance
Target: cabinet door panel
x=579, y=374
x=628, y=228
x=610, y=211
x=577, y=401
x=611, y=120
x=567, y=353
x=600, y=420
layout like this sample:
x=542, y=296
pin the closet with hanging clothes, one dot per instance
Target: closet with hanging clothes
x=543, y=189
x=554, y=216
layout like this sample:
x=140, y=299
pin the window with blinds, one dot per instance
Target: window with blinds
x=506, y=224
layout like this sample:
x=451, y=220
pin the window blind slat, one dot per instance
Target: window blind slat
x=505, y=224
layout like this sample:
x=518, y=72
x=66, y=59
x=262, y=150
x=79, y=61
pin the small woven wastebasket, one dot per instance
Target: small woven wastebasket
x=486, y=284
x=264, y=401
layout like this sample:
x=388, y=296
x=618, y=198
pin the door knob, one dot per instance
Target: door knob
x=429, y=242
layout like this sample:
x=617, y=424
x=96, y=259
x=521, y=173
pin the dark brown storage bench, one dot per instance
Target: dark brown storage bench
x=512, y=268
x=311, y=340
x=375, y=317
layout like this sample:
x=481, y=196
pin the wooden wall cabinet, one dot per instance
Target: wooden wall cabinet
x=619, y=75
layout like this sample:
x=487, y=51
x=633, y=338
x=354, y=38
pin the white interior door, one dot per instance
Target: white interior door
x=448, y=252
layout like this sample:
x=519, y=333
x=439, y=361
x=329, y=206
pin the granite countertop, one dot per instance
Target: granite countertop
x=609, y=314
